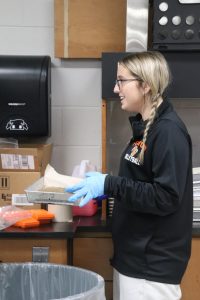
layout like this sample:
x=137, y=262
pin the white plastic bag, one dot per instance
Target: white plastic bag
x=84, y=167
x=11, y=214
x=79, y=172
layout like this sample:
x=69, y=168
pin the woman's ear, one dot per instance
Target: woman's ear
x=146, y=88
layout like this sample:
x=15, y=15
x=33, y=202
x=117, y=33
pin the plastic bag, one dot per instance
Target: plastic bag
x=10, y=214
x=8, y=143
x=84, y=167
x=91, y=207
x=45, y=281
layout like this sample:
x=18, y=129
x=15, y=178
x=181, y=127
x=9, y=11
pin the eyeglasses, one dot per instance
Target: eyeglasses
x=119, y=82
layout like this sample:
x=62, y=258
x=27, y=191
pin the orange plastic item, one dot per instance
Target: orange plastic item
x=39, y=216
x=27, y=223
x=42, y=215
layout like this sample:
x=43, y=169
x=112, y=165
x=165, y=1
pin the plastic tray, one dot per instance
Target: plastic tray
x=35, y=194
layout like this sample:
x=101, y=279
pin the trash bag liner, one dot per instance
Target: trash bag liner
x=45, y=281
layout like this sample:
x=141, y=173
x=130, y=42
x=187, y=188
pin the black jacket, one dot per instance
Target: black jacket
x=152, y=215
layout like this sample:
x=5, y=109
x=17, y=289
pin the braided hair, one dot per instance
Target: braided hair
x=149, y=67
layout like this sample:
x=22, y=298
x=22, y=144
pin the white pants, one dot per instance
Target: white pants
x=128, y=288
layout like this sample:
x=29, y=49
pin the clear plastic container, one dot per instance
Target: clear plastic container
x=45, y=281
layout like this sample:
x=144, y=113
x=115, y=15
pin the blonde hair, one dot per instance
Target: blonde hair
x=149, y=67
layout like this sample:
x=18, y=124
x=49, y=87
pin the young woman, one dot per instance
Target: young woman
x=152, y=215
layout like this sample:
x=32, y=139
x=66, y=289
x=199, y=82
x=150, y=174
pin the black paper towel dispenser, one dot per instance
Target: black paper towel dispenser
x=25, y=96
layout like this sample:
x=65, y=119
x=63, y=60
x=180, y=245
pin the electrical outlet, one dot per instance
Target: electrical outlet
x=40, y=254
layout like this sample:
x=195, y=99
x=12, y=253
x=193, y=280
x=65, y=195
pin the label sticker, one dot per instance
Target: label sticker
x=17, y=161
x=20, y=199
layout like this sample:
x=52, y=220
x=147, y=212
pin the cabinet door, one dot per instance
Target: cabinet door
x=190, y=285
x=94, y=254
x=86, y=28
x=20, y=250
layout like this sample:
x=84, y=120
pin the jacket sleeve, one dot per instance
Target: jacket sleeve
x=162, y=195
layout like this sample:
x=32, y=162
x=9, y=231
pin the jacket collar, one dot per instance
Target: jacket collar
x=137, y=123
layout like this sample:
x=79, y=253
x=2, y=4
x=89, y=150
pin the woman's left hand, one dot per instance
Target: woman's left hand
x=89, y=188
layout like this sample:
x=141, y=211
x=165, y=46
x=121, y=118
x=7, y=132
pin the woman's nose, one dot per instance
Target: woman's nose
x=116, y=89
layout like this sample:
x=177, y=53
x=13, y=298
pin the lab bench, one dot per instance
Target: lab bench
x=86, y=242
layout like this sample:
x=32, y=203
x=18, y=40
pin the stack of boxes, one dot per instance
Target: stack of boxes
x=19, y=168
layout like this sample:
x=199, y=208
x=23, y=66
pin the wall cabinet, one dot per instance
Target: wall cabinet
x=86, y=28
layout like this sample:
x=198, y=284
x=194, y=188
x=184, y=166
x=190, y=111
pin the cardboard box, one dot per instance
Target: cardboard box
x=28, y=157
x=15, y=183
x=21, y=167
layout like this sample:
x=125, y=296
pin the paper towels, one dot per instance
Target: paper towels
x=52, y=179
x=63, y=213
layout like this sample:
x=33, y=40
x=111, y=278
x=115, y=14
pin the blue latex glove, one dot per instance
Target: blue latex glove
x=89, y=188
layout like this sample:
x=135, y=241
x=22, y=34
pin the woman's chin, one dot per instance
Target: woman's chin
x=123, y=106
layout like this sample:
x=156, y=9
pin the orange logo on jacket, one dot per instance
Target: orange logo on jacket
x=134, y=154
x=137, y=146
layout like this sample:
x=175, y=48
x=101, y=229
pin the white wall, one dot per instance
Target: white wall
x=26, y=28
